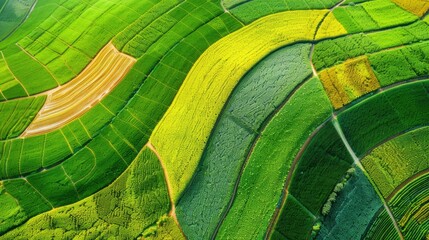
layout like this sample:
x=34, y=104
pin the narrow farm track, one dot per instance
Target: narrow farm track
x=315, y=74
x=360, y=166
x=335, y=113
x=172, y=212
x=72, y=100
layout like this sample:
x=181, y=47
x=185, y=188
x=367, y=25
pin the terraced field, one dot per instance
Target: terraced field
x=214, y=119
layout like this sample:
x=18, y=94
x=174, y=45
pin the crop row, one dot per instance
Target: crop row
x=88, y=125
x=262, y=181
x=401, y=64
x=409, y=206
x=73, y=99
x=10, y=87
x=166, y=28
x=56, y=47
x=326, y=159
x=349, y=81
x=382, y=227
x=12, y=14
x=322, y=165
x=25, y=155
x=411, y=199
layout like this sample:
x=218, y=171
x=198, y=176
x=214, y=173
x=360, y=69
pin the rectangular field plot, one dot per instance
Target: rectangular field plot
x=295, y=221
x=349, y=81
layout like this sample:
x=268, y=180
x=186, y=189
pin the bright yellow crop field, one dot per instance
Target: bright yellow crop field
x=349, y=81
x=190, y=118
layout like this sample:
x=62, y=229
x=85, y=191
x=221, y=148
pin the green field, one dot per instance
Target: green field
x=214, y=119
x=239, y=125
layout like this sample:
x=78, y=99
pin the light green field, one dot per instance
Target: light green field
x=398, y=159
x=137, y=198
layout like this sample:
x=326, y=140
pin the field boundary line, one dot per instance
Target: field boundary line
x=360, y=166
x=285, y=192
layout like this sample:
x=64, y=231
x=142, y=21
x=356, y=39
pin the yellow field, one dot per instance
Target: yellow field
x=73, y=99
x=330, y=27
x=348, y=81
x=418, y=7
x=181, y=135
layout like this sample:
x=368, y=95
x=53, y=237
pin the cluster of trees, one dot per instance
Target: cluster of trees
x=333, y=196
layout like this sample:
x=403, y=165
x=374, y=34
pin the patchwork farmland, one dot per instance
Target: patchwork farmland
x=214, y=119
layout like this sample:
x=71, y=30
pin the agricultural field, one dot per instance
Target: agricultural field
x=13, y=14
x=214, y=119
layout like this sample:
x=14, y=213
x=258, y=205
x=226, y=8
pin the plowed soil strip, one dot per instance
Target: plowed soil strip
x=70, y=101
